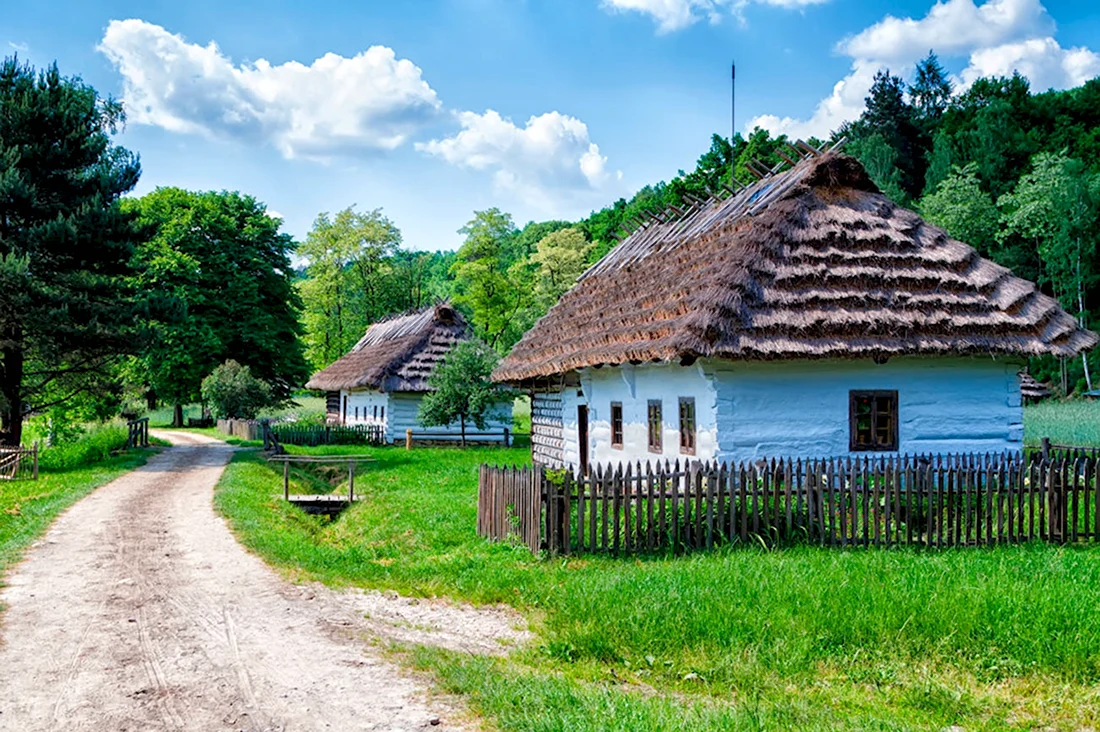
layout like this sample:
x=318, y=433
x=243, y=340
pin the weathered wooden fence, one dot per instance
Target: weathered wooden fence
x=19, y=463
x=328, y=434
x=932, y=501
x=242, y=429
x=138, y=432
x=510, y=504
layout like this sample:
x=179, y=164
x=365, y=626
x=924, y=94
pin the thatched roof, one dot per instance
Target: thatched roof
x=1031, y=389
x=811, y=263
x=397, y=354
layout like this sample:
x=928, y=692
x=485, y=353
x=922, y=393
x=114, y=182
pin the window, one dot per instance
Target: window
x=687, y=425
x=357, y=412
x=654, y=425
x=617, y=425
x=376, y=411
x=873, y=420
x=382, y=412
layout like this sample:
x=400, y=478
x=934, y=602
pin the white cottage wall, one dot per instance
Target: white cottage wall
x=748, y=410
x=365, y=406
x=800, y=409
x=404, y=406
x=634, y=386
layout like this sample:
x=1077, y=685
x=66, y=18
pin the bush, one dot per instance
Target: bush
x=95, y=445
x=234, y=393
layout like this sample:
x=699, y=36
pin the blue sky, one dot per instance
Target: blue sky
x=432, y=109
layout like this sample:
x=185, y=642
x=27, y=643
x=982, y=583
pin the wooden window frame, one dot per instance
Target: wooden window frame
x=687, y=426
x=875, y=394
x=654, y=429
x=616, y=419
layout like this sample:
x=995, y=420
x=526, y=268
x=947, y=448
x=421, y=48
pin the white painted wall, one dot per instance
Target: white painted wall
x=400, y=410
x=800, y=409
x=634, y=386
x=747, y=410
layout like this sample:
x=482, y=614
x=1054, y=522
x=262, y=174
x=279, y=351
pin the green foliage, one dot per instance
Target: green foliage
x=561, y=258
x=90, y=446
x=219, y=274
x=493, y=288
x=62, y=326
x=347, y=274
x=463, y=391
x=964, y=210
x=234, y=393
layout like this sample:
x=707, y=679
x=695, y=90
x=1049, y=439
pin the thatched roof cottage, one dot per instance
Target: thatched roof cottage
x=385, y=375
x=807, y=315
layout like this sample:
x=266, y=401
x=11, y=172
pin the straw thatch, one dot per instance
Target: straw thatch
x=811, y=263
x=1032, y=390
x=397, y=354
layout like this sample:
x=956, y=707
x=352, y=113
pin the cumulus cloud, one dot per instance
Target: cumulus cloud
x=674, y=15
x=372, y=101
x=549, y=156
x=998, y=36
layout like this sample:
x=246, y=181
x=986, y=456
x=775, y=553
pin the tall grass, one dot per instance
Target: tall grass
x=1064, y=422
x=95, y=445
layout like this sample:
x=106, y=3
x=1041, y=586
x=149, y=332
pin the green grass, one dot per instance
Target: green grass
x=28, y=507
x=1064, y=422
x=733, y=639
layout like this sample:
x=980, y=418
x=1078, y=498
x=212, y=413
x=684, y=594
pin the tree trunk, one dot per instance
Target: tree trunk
x=177, y=416
x=1081, y=319
x=11, y=395
x=462, y=421
x=151, y=400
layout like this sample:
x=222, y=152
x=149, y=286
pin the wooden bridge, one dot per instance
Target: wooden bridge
x=326, y=503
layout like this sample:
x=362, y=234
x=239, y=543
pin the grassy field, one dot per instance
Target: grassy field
x=734, y=639
x=1065, y=423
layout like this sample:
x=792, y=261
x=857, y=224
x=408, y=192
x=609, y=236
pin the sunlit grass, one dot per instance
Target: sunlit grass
x=1064, y=422
x=733, y=639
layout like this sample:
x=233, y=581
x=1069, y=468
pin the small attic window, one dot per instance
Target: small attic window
x=873, y=421
x=617, y=425
x=654, y=425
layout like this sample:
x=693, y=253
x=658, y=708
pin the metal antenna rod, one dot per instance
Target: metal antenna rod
x=733, y=120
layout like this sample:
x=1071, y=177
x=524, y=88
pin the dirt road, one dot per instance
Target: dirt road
x=139, y=611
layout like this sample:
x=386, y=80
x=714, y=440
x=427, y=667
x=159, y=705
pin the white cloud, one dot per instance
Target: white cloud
x=19, y=47
x=1042, y=60
x=674, y=15
x=373, y=101
x=998, y=36
x=549, y=156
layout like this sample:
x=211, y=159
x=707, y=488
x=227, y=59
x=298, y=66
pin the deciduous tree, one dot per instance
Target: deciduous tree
x=463, y=391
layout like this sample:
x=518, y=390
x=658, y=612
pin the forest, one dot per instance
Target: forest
x=108, y=300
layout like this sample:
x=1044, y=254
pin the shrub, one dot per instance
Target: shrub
x=234, y=393
x=95, y=445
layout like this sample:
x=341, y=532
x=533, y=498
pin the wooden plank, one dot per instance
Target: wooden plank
x=676, y=530
x=582, y=487
x=787, y=502
x=650, y=480
x=743, y=507
x=662, y=489
x=616, y=505
x=711, y=481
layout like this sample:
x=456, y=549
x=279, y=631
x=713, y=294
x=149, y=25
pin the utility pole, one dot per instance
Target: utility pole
x=733, y=122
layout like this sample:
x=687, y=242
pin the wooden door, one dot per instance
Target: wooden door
x=582, y=436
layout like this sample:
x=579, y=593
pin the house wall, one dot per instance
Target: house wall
x=402, y=417
x=546, y=428
x=363, y=405
x=747, y=410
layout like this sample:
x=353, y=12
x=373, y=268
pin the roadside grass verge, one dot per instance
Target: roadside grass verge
x=1075, y=422
x=28, y=507
x=738, y=638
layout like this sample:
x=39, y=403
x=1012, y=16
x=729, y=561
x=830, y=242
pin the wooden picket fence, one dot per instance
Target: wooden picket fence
x=931, y=501
x=328, y=434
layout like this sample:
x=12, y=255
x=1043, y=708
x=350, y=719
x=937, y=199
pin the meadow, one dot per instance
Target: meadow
x=738, y=638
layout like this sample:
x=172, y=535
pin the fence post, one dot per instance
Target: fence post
x=506, y=438
x=286, y=480
x=351, y=481
x=408, y=439
x=36, y=460
x=1044, y=445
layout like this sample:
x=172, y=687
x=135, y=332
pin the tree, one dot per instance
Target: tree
x=964, y=210
x=889, y=117
x=1057, y=206
x=220, y=270
x=561, y=258
x=495, y=291
x=234, y=393
x=463, y=391
x=930, y=91
x=347, y=276
x=66, y=313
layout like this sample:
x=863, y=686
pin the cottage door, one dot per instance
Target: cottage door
x=582, y=436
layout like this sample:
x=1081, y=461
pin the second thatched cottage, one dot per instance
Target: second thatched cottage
x=807, y=316
x=382, y=380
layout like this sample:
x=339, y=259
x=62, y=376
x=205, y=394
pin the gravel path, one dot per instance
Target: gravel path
x=139, y=611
